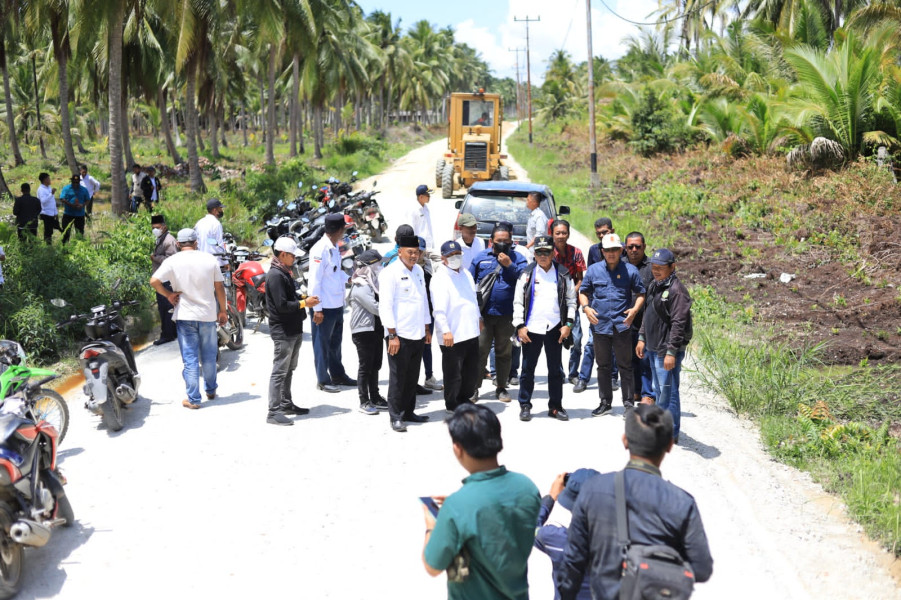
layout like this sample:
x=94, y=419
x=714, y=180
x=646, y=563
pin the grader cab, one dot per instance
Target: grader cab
x=473, y=143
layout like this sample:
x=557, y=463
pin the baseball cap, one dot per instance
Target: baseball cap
x=423, y=189
x=285, y=244
x=187, y=235
x=467, y=220
x=369, y=257
x=567, y=498
x=543, y=242
x=505, y=225
x=663, y=257
x=404, y=230
x=213, y=203
x=611, y=240
x=334, y=222
x=421, y=242
x=448, y=248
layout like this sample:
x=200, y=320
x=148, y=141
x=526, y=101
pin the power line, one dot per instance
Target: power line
x=570, y=26
x=655, y=23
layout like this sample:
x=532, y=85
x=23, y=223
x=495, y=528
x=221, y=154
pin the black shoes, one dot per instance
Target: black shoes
x=296, y=410
x=558, y=413
x=379, y=403
x=328, y=387
x=346, y=382
x=368, y=409
x=398, y=425
x=502, y=394
x=601, y=410
x=580, y=386
x=279, y=419
x=414, y=418
x=525, y=413
x=162, y=341
x=422, y=391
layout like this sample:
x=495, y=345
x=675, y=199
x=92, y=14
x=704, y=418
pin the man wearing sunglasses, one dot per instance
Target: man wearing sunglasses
x=641, y=367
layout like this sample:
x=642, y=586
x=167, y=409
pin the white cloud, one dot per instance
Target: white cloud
x=562, y=24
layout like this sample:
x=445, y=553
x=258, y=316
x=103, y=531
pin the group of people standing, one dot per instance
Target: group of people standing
x=77, y=198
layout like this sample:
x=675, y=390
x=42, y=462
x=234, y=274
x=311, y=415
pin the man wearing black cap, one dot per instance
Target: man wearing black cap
x=421, y=218
x=457, y=326
x=327, y=281
x=665, y=332
x=543, y=311
x=658, y=513
x=164, y=247
x=404, y=310
x=209, y=230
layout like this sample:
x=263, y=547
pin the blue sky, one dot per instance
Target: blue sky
x=489, y=26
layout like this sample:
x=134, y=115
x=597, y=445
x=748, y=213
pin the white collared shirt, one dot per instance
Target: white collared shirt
x=537, y=224
x=326, y=278
x=454, y=304
x=48, y=202
x=403, y=302
x=544, y=311
x=421, y=222
x=470, y=252
x=154, y=196
x=90, y=184
x=209, y=237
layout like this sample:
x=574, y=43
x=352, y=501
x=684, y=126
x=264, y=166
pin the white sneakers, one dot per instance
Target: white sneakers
x=432, y=384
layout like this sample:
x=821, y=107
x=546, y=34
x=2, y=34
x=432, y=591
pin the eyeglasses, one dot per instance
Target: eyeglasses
x=634, y=247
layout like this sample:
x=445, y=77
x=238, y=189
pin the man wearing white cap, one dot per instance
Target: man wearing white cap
x=199, y=301
x=286, y=315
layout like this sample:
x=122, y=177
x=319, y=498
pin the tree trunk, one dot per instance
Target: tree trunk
x=214, y=130
x=270, y=107
x=196, y=176
x=295, y=103
x=118, y=193
x=126, y=125
x=301, y=117
x=244, y=123
x=60, y=50
x=222, y=125
x=387, y=120
x=317, y=129
x=382, y=103
x=167, y=130
x=198, y=131
x=37, y=106
x=175, y=121
x=10, y=117
x=4, y=189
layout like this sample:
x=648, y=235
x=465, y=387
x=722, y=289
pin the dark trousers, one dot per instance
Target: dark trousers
x=403, y=369
x=460, y=368
x=553, y=351
x=89, y=207
x=287, y=350
x=369, y=356
x=604, y=347
x=167, y=325
x=498, y=329
x=50, y=223
x=643, y=380
x=77, y=222
x=327, y=338
x=575, y=353
x=24, y=230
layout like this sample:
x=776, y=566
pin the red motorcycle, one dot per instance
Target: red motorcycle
x=250, y=290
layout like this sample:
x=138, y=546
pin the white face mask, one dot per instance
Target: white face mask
x=157, y=232
x=455, y=262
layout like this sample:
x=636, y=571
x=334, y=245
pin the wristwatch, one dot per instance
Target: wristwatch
x=392, y=336
x=569, y=324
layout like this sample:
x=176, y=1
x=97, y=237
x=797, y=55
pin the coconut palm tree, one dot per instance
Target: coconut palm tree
x=8, y=16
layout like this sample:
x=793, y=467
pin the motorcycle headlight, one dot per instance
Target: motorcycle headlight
x=347, y=263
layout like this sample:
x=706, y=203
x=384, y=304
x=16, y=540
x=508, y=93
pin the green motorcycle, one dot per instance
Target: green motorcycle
x=45, y=404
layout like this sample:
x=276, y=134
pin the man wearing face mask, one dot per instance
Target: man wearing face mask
x=209, y=230
x=164, y=247
x=457, y=326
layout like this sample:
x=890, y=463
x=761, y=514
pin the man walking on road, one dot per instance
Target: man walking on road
x=607, y=295
x=569, y=256
x=197, y=281
x=641, y=367
x=665, y=333
x=457, y=326
x=165, y=247
x=471, y=244
x=537, y=224
x=209, y=231
x=657, y=513
x=404, y=311
x=286, y=315
x=49, y=211
x=327, y=280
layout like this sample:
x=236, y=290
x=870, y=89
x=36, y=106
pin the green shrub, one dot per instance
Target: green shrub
x=655, y=128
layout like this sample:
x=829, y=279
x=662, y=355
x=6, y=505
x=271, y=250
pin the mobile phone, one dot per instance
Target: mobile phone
x=430, y=503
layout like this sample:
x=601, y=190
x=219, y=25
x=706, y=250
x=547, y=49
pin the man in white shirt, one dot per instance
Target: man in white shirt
x=421, y=218
x=155, y=183
x=327, y=281
x=544, y=308
x=404, y=310
x=49, y=211
x=458, y=323
x=199, y=301
x=209, y=231
x=91, y=185
x=470, y=244
x=537, y=219
x=137, y=193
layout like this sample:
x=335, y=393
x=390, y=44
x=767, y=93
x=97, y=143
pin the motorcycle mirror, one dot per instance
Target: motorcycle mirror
x=280, y=203
x=58, y=302
x=292, y=206
x=268, y=243
x=375, y=183
x=300, y=184
x=331, y=204
x=313, y=187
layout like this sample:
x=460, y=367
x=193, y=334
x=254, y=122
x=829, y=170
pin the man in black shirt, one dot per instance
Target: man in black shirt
x=27, y=209
x=286, y=315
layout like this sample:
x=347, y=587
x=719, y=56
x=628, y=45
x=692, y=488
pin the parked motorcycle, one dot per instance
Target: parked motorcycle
x=111, y=376
x=249, y=280
x=231, y=334
x=15, y=378
x=32, y=499
x=367, y=214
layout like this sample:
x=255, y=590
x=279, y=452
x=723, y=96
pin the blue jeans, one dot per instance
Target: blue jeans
x=327, y=346
x=666, y=386
x=199, y=345
x=588, y=362
x=641, y=371
x=575, y=353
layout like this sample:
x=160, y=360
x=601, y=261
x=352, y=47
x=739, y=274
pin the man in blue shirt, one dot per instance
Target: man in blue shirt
x=499, y=259
x=75, y=198
x=611, y=295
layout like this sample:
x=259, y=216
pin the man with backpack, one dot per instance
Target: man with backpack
x=659, y=519
x=665, y=332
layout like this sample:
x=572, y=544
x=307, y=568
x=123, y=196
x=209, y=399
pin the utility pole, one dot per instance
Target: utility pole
x=527, y=20
x=518, y=84
x=592, y=133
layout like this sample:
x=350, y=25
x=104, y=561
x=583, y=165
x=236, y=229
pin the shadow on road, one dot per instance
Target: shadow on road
x=44, y=573
x=68, y=452
x=229, y=399
x=700, y=448
x=325, y=410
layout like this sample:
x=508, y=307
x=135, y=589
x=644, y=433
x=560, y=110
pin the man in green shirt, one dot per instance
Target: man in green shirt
x=489, y=522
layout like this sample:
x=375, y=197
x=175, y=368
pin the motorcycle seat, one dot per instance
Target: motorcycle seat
x=258, y=280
